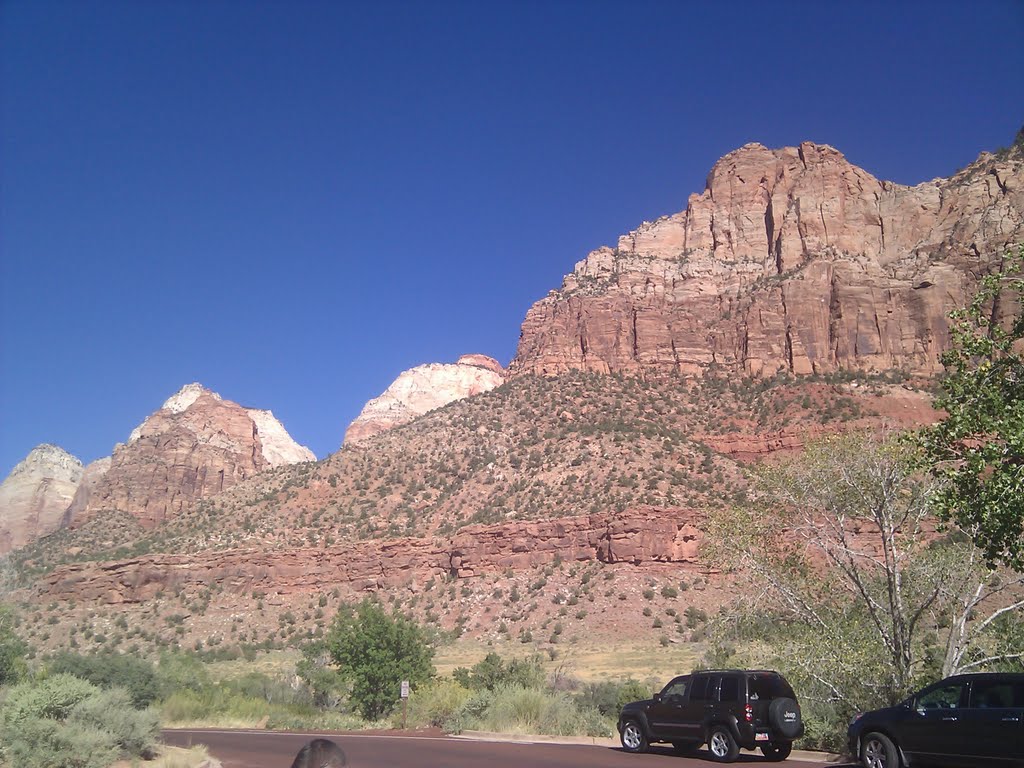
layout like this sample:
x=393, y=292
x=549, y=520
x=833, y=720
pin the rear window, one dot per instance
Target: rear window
x=768, y=686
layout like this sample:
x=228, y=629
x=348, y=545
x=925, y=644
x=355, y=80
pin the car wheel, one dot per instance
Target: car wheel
x=633, y=738
x=878, y=751
x=685, y=747
x=722, y=745
x=778, y=751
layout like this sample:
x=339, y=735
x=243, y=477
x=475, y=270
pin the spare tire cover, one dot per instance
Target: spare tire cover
x=784, y=717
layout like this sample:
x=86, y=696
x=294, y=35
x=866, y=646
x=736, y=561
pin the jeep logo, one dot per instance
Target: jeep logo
x=790, y=716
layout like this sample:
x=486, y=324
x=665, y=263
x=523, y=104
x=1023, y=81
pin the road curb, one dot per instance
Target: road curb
x=804, y=755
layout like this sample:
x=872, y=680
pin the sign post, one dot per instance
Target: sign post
x=405, y=703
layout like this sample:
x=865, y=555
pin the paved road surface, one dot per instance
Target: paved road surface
x=268, y=749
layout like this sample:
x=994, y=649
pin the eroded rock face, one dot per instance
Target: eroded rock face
x=791, y=259
x=91, y=478
x=638, y=536
x=36, y=493
x=422, y=389
x=195, y=446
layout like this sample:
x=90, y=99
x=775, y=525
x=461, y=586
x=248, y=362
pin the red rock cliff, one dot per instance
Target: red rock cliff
x=791, y=259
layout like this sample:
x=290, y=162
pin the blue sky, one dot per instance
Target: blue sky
x=292, y=202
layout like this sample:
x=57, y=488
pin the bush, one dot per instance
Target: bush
x=50, y=699
x=47, y=743
x=437, y=704
x=111, y=670
x=134, y=730
x=514, y=709
x=65, y=722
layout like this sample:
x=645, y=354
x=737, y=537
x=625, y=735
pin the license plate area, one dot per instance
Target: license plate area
x=761, y=736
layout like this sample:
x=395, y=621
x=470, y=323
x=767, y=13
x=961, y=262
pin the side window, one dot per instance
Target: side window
x=993, y=694
x=676, y=688
x=730, y=690
x=945, y=697
x=700, y=691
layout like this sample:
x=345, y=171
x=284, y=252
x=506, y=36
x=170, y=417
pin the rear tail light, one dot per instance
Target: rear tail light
x=748, y=713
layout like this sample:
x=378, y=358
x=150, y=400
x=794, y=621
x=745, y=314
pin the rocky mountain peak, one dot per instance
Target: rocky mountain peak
x=36, y=493
x=196, y=445
x=422, y=389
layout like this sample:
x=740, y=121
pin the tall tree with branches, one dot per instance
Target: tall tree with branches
x=977, y=450
x=848, y=553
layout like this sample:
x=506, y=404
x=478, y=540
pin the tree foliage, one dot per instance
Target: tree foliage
x=873, y=597
x=375, y=651
x=977, y=450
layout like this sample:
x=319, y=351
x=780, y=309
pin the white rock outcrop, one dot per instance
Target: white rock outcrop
x=36, y=493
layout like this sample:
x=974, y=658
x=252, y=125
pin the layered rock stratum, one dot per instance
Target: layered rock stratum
x=791, y=259
x=36, y=493
x=423, y=389
x=195, y=446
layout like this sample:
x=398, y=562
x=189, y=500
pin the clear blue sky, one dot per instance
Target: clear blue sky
x=292, y=202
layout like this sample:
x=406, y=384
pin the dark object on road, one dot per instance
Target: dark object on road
x=320, y=753
x=965, y=720
x=725, y=708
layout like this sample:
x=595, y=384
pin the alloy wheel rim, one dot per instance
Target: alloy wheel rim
x=718, y=745
x=874, y=754
x=631, y=736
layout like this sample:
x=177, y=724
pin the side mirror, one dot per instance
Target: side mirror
x=656, y=697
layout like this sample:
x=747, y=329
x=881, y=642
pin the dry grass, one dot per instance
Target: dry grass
x=175, y=757
x=587, y=662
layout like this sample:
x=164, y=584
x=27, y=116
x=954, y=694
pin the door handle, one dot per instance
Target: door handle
x=1011, y=719
x=949, y=718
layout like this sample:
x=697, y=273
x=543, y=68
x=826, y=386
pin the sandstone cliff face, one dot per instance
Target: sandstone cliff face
x=423, y=389
x=195, y=446
x=791, y=259
x=636, y=536
x=91, y=477
x=36, y=493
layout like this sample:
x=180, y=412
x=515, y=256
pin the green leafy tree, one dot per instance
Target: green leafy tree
x=977, y=450
x=375, y=651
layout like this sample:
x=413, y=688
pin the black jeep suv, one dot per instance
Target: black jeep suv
x=965, y=720
x=724, y=708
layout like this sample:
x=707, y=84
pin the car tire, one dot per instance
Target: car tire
x=722, y=745
x=633, y=737
x=784, y=717
x=685, y=747
x=878, y=751
x=778, y=751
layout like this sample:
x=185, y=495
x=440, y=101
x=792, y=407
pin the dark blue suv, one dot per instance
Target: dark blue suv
x=963, y=721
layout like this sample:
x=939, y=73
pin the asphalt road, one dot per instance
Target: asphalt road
x=269, y=749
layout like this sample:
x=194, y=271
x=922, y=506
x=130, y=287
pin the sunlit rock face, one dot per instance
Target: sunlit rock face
x=423, y=389
x=36, y=493
x=195, y=446
x=791, y=259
